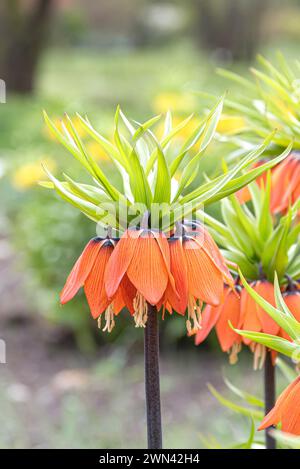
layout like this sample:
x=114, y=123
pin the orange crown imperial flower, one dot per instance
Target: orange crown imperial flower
x=143, y=255
x=143, y=266
x=285, y=184
x=88, y=272
x=199, y=271
x=272, y=98
x=260, y=245
x=240, y=310
x=146, y=260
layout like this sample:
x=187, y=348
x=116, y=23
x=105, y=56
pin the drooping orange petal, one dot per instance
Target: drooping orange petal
x=284, y=179
x=120, y=260
x=230, y=311
x=147, y=270
x=210, y=315
x=275, y=415
x=266, y=290
x=205, y=241
x=81, y=270
x=128, y=292
x=290, y=413
x=94, y=285
x=249, y=320
x=291, y=183
x=204, y=280
x=179, y=271
x=165, y=251
x=118, y=302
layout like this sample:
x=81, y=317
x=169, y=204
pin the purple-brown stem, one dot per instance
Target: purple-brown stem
x=269, y=381
x=151, y=347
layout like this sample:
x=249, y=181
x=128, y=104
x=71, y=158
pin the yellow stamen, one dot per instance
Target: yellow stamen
x=140, y=311
x=109, y=319
x=259, y=357
x=233, y=354
x=99, y=321
x=194, y=319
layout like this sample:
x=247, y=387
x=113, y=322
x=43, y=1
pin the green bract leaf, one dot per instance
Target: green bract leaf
x=203, y=134
x=147, y=166
x=272, y=100
x=272, y=342
x=89, y=209
x=248, y=412
x=249, y=398
x=240, y=182
x=138, y=182
x=265, y=221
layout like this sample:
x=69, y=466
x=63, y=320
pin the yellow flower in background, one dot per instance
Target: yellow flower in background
x=76, y=122
x=29, y=174
x=96, y=151
x=231, y=125
x=177, y=102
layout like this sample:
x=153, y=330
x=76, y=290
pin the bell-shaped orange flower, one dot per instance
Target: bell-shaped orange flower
x=219, y=317
x=88, y=272
x=176, y=299
x=199, y=272
x=242, y=312
x=286, y=410
x=143, y=255
x=285, y=183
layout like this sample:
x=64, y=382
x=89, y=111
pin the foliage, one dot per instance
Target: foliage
x=151, y=171
x=254, y=240
x=31, y=212
x=271, y=100
x=284, y=318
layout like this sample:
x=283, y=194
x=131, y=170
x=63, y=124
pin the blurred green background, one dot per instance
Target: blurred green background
x=62, y=375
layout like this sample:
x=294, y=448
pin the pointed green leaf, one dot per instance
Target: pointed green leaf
x=249, y=398
x=248, y=412
x=272, y=342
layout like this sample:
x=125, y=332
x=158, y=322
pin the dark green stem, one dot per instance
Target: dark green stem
x=269, y=379
x=151, y=346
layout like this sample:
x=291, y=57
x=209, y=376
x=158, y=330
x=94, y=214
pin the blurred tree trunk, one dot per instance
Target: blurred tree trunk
x=22, y=39
x=232, y=25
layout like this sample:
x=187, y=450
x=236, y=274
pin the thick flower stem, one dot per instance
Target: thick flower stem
x=269, y=378
x=151, y=345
